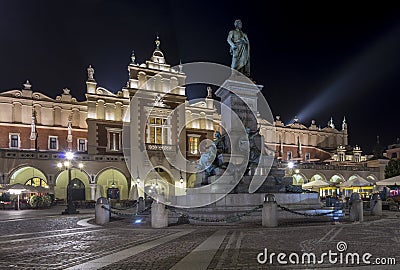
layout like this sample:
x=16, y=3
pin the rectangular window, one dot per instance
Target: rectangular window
x=82, y=145
x=394, y=155
x=114, y=139
x=289, y=155
x=53, y=143
x=194, y=144
x=158, y=131
x=14, y=140
x=308, y=156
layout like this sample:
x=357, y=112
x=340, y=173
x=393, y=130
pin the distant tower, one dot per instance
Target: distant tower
x=331, y=124
x=344, y=132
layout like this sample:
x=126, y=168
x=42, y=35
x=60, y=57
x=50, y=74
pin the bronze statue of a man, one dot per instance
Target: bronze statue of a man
x=240, y=49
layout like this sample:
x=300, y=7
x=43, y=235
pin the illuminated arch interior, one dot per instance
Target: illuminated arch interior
x=336, y=179
x=29, y=176
x=299, y=179
x=317, y=177
x=60, y=189
x=112, y=178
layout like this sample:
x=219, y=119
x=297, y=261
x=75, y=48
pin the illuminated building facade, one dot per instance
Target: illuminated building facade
x=37, y=130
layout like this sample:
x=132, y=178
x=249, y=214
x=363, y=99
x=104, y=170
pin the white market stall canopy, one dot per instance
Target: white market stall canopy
x=356, y=182
x=392, y=181
x=315, y=184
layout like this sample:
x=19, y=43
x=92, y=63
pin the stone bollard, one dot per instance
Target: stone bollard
x=159, y=215
x=376, y=205
x=270, y=211
x=102, y=215
x=356, y=208
x=141, y=205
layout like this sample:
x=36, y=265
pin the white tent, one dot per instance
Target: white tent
x=315, y=184
x=390, y=181
x=356, y=182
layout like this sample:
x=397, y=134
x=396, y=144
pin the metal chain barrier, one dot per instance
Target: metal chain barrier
x=232, y=218
x=126, y=214
x=127, y=208
x=309, y=215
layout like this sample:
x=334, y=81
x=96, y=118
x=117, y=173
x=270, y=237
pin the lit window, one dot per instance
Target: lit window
x=158, y=131
x=14, y=140
x=82, y=145
x=113, y=139
x=36, y=182
x=289, y=155
x=53, y=143
x=194, y=144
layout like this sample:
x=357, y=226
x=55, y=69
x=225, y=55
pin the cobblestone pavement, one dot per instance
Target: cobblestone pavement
x=37, y=241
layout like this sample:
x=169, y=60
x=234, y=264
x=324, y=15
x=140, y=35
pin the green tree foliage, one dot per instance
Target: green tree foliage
x=393, y=168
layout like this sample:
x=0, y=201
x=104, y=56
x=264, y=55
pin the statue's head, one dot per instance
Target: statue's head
x=217, y=134
x=238, y=24
x=248, y=130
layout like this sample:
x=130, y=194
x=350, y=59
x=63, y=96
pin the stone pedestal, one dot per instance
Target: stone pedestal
x=238, y=111
x=377, y=208
x=102, y=215
x=356, y=208
x=159, y=215
x=270, y=212
x=241, y=98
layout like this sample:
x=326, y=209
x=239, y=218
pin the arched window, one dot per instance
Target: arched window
x=36, y=182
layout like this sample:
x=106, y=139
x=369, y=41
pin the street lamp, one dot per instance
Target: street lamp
x=181, y=178
x=67, y=165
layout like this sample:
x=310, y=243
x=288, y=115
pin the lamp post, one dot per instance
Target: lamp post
x=180, y=178
x=67, y=165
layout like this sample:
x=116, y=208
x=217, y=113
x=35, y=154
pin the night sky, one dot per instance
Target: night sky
x=315, y=59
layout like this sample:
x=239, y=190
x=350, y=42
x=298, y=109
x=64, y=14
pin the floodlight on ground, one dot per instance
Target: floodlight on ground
x=290, y=165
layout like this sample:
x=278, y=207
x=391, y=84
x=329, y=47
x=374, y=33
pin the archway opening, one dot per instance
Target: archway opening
x=29, y=176
x=114, y=184
x=317, y=177
x=78, y=190
x=79, y=181
x=158, y=183
x=299, y=179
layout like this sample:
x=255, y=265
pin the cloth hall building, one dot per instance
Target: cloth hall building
x=37, y=130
